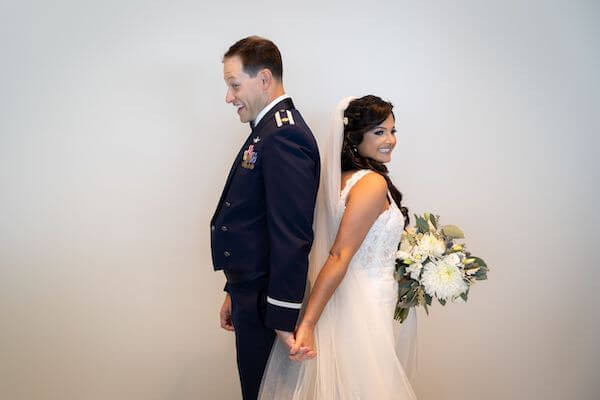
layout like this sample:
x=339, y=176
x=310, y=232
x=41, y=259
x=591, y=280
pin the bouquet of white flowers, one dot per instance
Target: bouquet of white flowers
x=430, y=264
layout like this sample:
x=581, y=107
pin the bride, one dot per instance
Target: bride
x=348, y=340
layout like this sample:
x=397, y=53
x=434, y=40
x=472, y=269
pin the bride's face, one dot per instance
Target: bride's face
x=379, y=142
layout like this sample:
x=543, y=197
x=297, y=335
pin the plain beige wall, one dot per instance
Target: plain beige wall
x=115, y=142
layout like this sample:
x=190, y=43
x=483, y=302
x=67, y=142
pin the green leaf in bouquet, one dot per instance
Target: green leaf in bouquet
x=469, y=260
x=400, y=269
x=420, y=296
x=480, y=261
x=465, y=295
x=471, y=267
x=421, y=223
x=481, y=275
x=405, y=283
x=470, y=273
x=426, y=307
x=442, y=302
x=401, y=313
x=453, y=231
x=411, y=297
x=433, y=220
x=428, y=299
x=404, y=291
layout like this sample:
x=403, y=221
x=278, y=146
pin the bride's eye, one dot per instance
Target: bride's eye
x=379, y=133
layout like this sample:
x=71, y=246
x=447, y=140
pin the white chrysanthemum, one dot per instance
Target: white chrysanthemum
x=432, y=245
x=443, y=280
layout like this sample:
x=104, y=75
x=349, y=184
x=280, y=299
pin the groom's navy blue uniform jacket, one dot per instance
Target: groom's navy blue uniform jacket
x=263, y=222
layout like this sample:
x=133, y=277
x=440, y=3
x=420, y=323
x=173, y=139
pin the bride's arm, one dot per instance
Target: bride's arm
x=367, y=199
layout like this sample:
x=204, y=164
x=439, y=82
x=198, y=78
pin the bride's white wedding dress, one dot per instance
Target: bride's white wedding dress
x=362, y=352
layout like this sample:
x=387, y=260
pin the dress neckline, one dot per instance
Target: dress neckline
x=350, y=182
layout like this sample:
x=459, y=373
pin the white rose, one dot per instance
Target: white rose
x=405, y=245
x=452, y=259
x=402, y=255
x=415, y=270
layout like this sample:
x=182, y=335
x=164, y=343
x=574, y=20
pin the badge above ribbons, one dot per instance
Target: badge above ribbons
x=249, y=158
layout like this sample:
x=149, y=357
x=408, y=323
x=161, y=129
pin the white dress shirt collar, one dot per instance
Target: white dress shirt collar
x=269, y=107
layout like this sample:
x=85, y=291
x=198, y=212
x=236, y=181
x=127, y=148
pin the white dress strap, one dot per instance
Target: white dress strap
x=357, y=176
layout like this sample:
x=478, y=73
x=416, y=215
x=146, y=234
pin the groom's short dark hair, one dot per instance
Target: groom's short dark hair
x=257, y=53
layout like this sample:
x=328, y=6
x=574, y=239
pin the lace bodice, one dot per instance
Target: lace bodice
x=377, y=251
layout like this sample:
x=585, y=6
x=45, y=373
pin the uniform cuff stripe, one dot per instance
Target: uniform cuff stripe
x=285, y=304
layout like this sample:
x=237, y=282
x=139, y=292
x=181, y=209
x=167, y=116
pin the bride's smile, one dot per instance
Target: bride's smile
x=379, y=142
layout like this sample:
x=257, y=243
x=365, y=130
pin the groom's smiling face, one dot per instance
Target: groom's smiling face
x=245, y=92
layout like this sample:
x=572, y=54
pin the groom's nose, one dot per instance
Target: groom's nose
x=229, y=96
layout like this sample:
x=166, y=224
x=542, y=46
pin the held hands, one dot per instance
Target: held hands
x=301, y=345
x=304, y=346
x=297, y=351
x=225, y=314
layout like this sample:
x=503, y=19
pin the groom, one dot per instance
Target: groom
x=261, y=232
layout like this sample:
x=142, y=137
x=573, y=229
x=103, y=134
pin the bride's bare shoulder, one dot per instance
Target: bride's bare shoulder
x=371, y=184
x=370, y=191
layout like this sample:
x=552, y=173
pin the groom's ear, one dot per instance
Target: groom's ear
x=266, y=78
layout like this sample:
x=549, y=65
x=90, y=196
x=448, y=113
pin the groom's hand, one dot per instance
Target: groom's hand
x=286, y=337
x=225, y=314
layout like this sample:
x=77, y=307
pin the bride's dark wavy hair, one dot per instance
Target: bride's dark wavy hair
x=364, y=114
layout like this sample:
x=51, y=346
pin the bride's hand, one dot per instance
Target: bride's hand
x=304, y=347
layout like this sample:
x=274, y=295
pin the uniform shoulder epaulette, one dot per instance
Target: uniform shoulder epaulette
x=284, y=117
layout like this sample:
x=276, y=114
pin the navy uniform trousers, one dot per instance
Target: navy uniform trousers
x=253, y=340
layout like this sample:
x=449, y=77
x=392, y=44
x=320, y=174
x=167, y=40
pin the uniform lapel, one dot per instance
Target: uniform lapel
x=285, y=104
x=236, y=163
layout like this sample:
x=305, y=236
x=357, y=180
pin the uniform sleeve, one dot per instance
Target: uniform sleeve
x=291, y=179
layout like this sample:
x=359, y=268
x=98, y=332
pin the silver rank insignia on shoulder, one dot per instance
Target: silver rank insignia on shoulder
x=284, y=117
x=256, y=139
